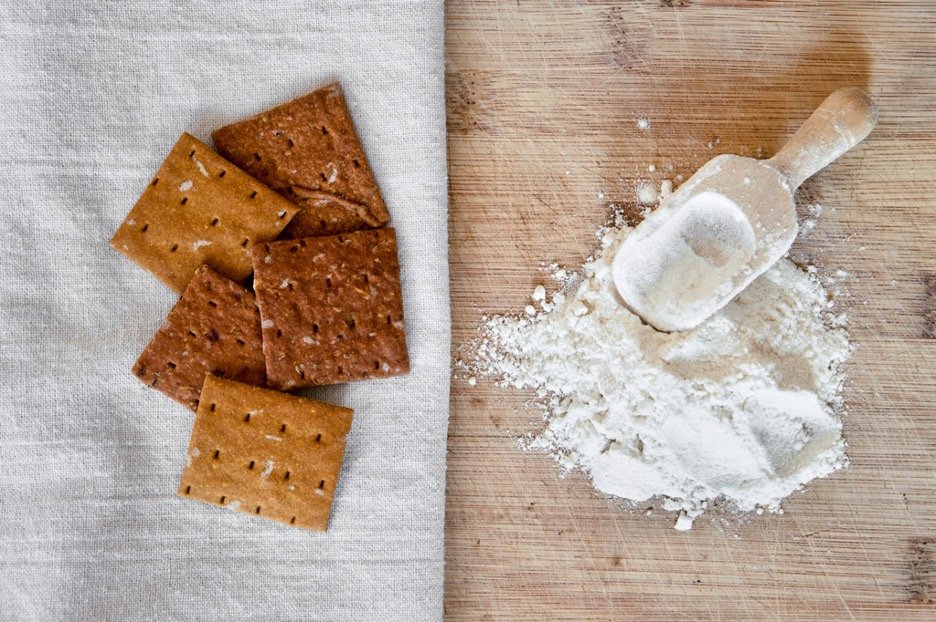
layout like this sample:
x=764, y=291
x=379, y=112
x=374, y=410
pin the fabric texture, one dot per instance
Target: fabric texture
x=94, y=95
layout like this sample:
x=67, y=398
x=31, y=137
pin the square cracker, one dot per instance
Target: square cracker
x=331, y=308
x=213, y=329
x=265, y=453
x=308, y=150
x=200, y=209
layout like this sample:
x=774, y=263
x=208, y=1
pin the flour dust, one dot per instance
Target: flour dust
x=745, y=409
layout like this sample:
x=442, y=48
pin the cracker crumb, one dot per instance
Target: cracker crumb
x=201, y=167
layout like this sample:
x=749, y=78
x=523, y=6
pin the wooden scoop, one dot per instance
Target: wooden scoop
x=730, y=221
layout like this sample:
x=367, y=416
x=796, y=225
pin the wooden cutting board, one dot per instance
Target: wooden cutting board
x=543, y=103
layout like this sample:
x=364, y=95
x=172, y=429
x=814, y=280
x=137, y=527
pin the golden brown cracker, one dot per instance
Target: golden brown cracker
x=308, y=150
x=331, y=309
x=213, y=329
x=265, y=453
x=200, y=209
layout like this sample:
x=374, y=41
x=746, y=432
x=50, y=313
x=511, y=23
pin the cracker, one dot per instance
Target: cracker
x=265, y=453
x=213, y=329
x=308, y=150
x=200, y=209
x=331, y=308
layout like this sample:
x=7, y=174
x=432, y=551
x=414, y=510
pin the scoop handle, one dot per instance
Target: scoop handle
x=840, y=122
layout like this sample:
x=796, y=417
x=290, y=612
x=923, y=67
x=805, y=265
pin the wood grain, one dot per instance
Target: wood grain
x=543, y=99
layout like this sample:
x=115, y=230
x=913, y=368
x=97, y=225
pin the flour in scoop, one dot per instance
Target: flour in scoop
x=745, y=409
x=682, y=269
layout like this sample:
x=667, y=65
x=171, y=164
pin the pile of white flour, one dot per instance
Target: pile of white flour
x=745, y=409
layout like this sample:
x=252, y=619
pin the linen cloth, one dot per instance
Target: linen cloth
x=92, y=97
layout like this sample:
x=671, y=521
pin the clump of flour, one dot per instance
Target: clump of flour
x=745, y=409
x=808, y=224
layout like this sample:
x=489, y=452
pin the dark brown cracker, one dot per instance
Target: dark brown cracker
x=331, y=307
x=265, y=453
x=200, y=209
x=307, y=150
x=214, y=328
